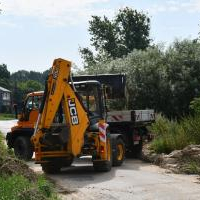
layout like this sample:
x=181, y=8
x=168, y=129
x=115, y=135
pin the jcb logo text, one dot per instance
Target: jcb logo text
x=73, y=112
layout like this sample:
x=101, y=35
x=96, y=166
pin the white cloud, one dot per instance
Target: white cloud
x=54, y=12
x=175, y=6
x=8, y=24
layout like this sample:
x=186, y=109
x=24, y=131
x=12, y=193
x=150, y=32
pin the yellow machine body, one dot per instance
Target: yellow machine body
x=76, y=121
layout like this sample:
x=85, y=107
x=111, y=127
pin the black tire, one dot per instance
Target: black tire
x=102, y=166
x=23, y=148
x=68, y=162
x=136, y=150
x=118, y=151
x=50, y=168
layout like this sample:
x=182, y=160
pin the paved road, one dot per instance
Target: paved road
x=5, y=126
x=133, y=180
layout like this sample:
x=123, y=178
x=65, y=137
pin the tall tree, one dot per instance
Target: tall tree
x=4, y=73
x=115, y=38
x=4, y=76
x=183, y=69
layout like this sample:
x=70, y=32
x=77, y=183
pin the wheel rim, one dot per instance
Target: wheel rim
x=120, y=152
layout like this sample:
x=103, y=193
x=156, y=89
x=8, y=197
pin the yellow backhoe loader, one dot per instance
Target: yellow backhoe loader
x=71, y=124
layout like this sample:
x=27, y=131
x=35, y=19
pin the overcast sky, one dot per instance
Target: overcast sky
x=34, y=32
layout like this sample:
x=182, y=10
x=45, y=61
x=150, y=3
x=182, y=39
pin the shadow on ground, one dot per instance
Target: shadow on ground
x=82, y=174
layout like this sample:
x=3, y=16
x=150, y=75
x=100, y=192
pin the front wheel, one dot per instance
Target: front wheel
x=51, y=167
x=23, y=148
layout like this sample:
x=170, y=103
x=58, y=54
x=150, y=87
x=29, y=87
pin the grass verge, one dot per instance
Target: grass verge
x=4, y=116
x=191, y=167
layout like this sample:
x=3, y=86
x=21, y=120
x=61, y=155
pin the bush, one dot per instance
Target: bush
x=195, y=106
x=173, y=135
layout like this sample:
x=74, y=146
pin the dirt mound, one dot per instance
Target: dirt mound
x=10, y=165
x=186, y=160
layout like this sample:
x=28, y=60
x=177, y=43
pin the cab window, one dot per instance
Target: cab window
x=37, y=102
x=29, y=103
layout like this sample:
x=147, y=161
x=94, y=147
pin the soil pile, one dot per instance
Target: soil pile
x=186, y=160
x=10, y=165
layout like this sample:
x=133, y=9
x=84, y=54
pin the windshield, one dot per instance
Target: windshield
x=33, y=102
x=90, y=98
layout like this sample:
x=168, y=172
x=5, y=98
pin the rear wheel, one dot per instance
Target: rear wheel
x=118, y=151
x=50, y=168
x=68, y=162
x=23, y=148
x=102, y=166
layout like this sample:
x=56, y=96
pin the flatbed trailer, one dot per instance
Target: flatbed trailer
x=131, y=124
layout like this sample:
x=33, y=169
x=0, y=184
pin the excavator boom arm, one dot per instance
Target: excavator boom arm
x=59, y=92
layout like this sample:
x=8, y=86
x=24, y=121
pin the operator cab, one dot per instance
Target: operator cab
x=29, y=108
x=90, y=95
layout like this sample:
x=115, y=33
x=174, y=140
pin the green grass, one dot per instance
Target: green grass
x=3, y=149
x=16, y=186
x=4, y=116
x=191, y=167
x=173, y=135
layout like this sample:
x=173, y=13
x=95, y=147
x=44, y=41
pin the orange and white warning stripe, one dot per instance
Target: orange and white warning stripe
x=102, y=131
x=117, y=118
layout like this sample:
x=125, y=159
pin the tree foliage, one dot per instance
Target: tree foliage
x=4, y=73
x=23, y=75
x=195, y=106
x=183, y=69
x=115, y=38
x=163, y=79
x=24, y=82
x=4, y=76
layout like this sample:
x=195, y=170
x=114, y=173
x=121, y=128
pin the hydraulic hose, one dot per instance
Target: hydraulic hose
x=41, y=106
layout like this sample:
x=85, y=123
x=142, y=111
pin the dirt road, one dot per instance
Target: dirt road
x=133, y=180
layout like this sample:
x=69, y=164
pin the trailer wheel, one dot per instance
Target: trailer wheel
x=136, y=151
x=23, y=148
x=50, y=168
